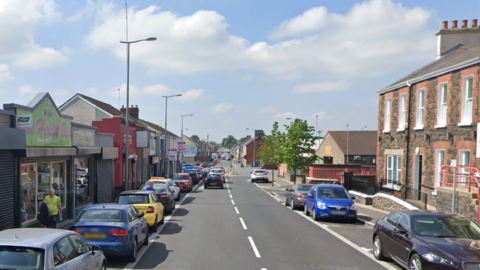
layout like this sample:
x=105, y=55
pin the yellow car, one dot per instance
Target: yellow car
x=145, y=201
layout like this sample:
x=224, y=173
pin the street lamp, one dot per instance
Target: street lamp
x=347, y=140
x=184, y=115
x=254, y=142
x=127, y=113
x=166, y=161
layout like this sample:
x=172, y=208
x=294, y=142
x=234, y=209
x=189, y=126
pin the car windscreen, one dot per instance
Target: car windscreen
x=332, y=193
x=304, y=188
x=214, y=176
x=160, y=188
x=133, y=199
x=21, y=258
x=101, y=215
x=180, y=177
x=446, y=227
x=191, y=172
x=260, y=171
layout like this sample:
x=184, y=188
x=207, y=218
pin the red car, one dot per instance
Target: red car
x=184, y=181
x=204, y=164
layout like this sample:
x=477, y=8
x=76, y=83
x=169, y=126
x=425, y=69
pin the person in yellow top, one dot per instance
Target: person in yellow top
x=54, y=207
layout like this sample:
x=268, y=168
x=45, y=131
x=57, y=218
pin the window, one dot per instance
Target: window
x=83, y=191
x=81, y=246
x=442, y=105
x=467, y=101
x=393, y=218
x=402, y=111
x=63, y=251
x=394, y=170
x=420, y=108
x=464, y=161
x=58, y=181
x=404, y=222
x=29, y=195
x=439, y=161
x=386, y=127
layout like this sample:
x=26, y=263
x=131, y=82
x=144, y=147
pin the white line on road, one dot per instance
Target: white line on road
x=264, y=269
x=228, y=190
x=275, y=183
x=275, y=194
x=236, y=210
x=231, y=196
x=243, y=223
x=233, y=202
x=255, y=250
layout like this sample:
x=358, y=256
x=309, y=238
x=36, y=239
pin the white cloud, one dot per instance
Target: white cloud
x=322, y=87
x=79, y=14
x=27, y=90
x=310, y=21
x=222, y=107
x=61, y=92
x=269, y=109
x=192, y=95
x=37, y=58
x=156, y=90
x=91, y=91
x=285, y=115
x=5, y=74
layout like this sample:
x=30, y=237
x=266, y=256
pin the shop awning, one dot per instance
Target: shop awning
x=50, y=151
x=88, y=150
x=109, y=152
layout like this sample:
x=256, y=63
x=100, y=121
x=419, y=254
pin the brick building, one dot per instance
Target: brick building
x=429, y=118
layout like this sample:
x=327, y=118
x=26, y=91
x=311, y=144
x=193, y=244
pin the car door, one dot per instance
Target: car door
x=402, y=243
x=175, y=189
x=91, y=260
x=290, y=193
x=310, y=198
x=386, y=232
x=65, y=257
x=134, y=224
x=157, y=205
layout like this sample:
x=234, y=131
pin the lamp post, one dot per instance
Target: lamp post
x=127, y=113
x=166, y=161
x=254, y=142
x=348, y=131
x=184, y=115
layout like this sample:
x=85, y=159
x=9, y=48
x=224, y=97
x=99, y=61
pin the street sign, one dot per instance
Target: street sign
x=453, y=162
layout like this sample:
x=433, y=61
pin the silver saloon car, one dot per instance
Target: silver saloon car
x=44, y=249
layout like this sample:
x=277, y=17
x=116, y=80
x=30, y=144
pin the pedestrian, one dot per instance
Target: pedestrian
x=149, y=186
x=54, y=207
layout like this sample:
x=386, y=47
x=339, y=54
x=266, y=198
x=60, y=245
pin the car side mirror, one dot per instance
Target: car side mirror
x=310, y=196
x=95, y=248
x=399, y=230
x=352, y=197
x=141, y=215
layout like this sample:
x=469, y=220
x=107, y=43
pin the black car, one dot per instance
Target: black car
x=296, y=196
x=165, y=196
x=193, y=173
x=428, y=240
x=213, y=180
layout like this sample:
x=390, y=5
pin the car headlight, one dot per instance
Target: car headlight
x=353, y=206
x=321, y=205
x=435, y=258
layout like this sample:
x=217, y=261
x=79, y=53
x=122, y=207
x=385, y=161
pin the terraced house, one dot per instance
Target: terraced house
x=428, y=119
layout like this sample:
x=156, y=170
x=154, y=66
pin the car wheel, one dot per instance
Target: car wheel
x=154, y=227
x=104, y=266
x=145, y=242
x=292, y=205
x=286, y=202
x=178, y=197
x=314, y=214
x=133, y=255
x=253, y=181
x=353, y=221
x=415, y=263
x=306, y=211
x=173, y=205
x=163, y=217
x=377, y=248
x=204, y=187
x=221, y=187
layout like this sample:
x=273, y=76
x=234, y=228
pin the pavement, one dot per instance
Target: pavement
x=245, y=226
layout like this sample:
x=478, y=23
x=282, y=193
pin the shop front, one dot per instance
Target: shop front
x=105, y=188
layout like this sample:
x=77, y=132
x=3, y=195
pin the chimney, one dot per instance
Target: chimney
x=474, y=23
x=133, y=111
x=449, y=39
x=464, y=23
x=445, y=25
x=454, y=24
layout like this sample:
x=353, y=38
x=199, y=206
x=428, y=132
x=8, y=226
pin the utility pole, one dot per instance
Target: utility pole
x=208, y=148
x=348, y=131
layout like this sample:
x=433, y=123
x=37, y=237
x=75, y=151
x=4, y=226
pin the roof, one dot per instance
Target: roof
x=360, y=142
x=31, y=237
x=109, y=206
x=462, y=57
x=141, y=192
x=329, y=186
x=159, y=128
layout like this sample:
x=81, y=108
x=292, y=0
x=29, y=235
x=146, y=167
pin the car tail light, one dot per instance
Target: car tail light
x=254, y=174
x=77, y=231
x=118, y=233
x=163, y=196
x=300, y=195
x=206, y=179
x=150, y=209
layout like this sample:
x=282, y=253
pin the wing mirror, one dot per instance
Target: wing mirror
x=141, y=215
x=95, y=248
x=399, y=230
x=352, y=197
x=310, y=196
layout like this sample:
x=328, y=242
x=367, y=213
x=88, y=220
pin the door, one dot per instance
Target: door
x=464, y=161
x=309, y=201
x=439, y=161
x=417, y=181
x=386, y=232
x=140, y=226
x=401, y=243
x=290, y=192
x=65, y=256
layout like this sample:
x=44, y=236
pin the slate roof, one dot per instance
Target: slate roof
x=361, y=143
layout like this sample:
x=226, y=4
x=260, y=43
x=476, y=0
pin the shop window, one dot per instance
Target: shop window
x=83, y=192
x=58, y=181
x=29, y=198
x=43, y=182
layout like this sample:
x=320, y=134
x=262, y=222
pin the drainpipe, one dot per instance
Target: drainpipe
x=407, y=133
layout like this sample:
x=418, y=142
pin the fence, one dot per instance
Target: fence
x=330, y=172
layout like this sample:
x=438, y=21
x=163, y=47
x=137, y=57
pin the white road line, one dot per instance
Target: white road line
x=231, y=196
x=233, y=202
x=275, y=194
x=228, y=190
x=236, y=210
x=264, y=269
x=275, y=183
x=243, y=224
x=255, y=250
x=367, y=222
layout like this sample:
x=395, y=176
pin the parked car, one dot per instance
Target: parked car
x=296, y=196
x=119, y=229
x=165, y=195
x=259, y=175
x=219, y=170
x=145, y=201
x=187, y=166
x=427, y=240
x=269, y=167
x=194, y=175
x=34, y=248
x=200, y=173
x=204, y=164
x=174, y=188
x=215, y=180
x=184, y=181
x=327, y=201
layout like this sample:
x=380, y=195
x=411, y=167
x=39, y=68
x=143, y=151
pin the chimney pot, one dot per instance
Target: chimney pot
x=464, y=23
x=445, y=25
x=454, y=24
x=474, y=23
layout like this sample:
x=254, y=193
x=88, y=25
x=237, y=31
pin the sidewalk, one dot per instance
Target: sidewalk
x=370, y=215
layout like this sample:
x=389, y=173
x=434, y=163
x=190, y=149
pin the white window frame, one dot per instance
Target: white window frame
x=467, y=102
x=388, y=115
x=402, y=112
x=420, y=117
x=394, y=172
x=463, y=181
x=442, y=105
x=439, y=161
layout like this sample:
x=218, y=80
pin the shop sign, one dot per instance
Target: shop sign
x=83, y=137
x=143, y=139
x=49, y=128
x=153, y=145
x=190, y=151
x=181, y=147
x=172, y=154
x=24, y=120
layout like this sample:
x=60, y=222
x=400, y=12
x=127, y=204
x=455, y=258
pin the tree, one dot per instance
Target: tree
x=271, y=150
x=298, y=148
x=229, y=141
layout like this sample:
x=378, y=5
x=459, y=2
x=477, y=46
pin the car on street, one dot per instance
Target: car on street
x=219, y=170
x=184, y=181
x=259, y=175
x=165, y=195
x=427, y=240
x=200, y=172
x=213, y=180
x=296, y=196
x=204, y=164
x=332, y=202
x=146, y=202
x=174, y=188
x=45, y=249
x=194, y=175
x=119, y=229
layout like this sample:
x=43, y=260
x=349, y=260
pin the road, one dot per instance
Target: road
x=245, y=227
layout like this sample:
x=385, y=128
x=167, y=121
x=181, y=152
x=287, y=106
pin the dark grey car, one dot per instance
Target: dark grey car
x=296, y=196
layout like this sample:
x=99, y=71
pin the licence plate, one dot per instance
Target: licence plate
x=95, y=236
x=260, y=178
x=213, y=184
x=338, y=213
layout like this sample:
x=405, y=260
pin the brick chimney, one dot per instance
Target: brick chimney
x=133, y=111
x=450, y=38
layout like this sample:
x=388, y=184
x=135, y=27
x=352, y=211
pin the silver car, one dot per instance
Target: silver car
x=38, y=248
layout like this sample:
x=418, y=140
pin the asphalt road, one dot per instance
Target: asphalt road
x=244, y=226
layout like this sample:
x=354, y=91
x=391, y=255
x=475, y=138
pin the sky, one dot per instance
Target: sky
x=238, y=64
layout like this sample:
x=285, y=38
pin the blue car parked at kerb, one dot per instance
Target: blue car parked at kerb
x=187, y=167
x=117, y=228
x=330, y=202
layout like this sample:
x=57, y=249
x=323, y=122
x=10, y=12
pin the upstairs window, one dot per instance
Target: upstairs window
x=420, y=108
x=442, y=105
x=402, y=111
x=467, y=100
x=388, y=103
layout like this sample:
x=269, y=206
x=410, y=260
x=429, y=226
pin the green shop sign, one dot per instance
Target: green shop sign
x=48, y=128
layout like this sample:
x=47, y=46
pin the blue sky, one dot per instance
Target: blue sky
x=239, y=64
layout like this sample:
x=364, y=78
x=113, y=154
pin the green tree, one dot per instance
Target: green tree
x=229, y=141
x=271, y=150
x=298, y=147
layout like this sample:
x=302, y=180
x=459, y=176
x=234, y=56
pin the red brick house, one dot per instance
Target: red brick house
x=429, y=118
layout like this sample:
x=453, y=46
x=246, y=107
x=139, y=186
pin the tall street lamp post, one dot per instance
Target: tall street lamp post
x=166, y=160
x=184, y=115
x=127, y=113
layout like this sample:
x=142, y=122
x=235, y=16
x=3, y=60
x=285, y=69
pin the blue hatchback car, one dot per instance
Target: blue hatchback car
x=330, y=202
x=117, y=228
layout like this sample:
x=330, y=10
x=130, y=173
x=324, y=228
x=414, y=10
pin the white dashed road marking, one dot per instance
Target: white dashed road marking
x=233, y=202
x=254, y=247
x=236, y=210
x=243, y=223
